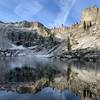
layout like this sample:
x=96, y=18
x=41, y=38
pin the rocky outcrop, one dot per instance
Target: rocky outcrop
x=91, y=16
x=81, y=55
x=29, y=26
x=85, y=34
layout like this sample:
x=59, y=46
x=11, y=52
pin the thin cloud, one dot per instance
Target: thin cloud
x=65, y=6
x=28, y=9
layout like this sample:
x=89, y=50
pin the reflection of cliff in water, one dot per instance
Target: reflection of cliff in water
x=85, y=70
x=88, y=71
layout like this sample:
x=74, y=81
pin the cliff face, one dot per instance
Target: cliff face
x=86, y=34
x=21, y=32
x=28, y=26
x=89, y=38
x=91, y=14
x=40, y=28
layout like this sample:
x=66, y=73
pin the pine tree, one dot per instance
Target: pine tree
x=84, y=25
x=68, y=44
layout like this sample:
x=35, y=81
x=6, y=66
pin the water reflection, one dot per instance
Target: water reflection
x=45, y=94
x=92, y=70
x=9, y=63
x=37, y=67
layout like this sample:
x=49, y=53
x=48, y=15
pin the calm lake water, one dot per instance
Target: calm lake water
x=9, y=63
x=45, y=94
x=86, y=70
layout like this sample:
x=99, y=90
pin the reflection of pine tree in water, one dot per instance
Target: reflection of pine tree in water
x=87, y=93
x=68, y=72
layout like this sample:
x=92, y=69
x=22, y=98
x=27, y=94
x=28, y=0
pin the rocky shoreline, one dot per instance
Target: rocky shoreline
x=80, y=55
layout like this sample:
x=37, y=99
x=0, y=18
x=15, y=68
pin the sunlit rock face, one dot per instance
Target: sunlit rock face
x=61, y=32
x=28, y=26
x=84, y=34
x=91, y=14
x=40, y=28
x=82, y=39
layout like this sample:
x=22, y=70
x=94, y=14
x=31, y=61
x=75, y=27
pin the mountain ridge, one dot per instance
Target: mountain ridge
x=81, y=35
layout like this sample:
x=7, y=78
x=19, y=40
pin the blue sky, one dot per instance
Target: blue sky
x=49, y=12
